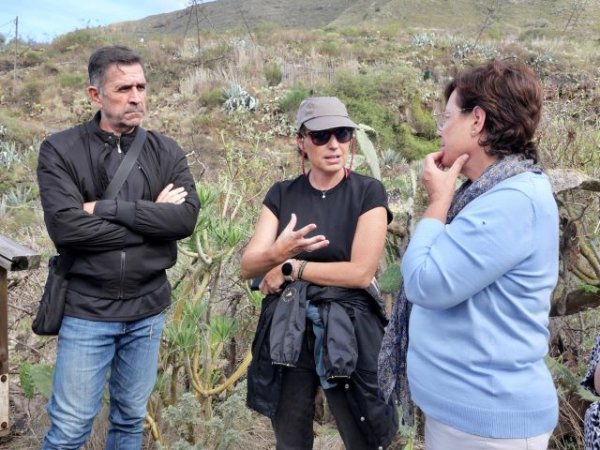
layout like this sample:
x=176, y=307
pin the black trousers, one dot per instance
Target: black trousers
x=293, y=421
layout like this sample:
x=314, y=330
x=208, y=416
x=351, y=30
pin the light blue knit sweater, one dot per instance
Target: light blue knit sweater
x=481, y=289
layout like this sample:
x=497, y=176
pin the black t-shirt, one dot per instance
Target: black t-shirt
x=335, y=212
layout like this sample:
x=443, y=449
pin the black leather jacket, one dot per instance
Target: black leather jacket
x=354, y=321
x=126, y=255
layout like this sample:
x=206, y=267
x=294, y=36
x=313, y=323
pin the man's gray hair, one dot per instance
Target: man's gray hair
x=103, y=57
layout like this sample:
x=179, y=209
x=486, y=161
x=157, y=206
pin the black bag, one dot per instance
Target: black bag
x=52, y=304
x=48, y=318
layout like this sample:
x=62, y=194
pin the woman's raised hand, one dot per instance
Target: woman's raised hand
x=291, y=242
x=440, y=184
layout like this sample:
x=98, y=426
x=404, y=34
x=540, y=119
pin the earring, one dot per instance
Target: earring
x=353, y=151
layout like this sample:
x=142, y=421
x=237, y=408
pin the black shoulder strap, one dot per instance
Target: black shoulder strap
x=126, y=165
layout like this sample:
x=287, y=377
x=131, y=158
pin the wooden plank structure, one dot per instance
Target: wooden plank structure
x=13, y=257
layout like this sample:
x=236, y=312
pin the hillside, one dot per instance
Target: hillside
x=502, y=17
x=222, y=15
x=468, y=16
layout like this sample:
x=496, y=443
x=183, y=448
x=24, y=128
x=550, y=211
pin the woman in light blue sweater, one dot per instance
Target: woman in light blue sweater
x=480, y=270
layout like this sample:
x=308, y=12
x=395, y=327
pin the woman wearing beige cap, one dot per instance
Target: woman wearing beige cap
x=316, y=246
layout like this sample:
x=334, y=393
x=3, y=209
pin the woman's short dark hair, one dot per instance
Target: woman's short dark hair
x=301, y=133
x=105, y=56
x=511, y=96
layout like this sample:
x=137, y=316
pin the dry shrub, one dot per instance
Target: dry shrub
x=200, y=79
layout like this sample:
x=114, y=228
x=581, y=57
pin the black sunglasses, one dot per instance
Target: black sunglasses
x=322, y=137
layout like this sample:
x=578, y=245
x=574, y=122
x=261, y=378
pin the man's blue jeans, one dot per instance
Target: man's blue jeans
x=88, y=351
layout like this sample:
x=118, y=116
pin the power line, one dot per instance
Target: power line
x=10, y=22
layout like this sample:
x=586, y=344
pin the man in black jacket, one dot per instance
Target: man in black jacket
x=118, y=289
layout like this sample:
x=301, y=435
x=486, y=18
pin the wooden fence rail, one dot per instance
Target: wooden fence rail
x=13, y=256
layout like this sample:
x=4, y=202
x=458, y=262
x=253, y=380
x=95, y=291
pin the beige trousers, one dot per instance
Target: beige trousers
x=443, y=437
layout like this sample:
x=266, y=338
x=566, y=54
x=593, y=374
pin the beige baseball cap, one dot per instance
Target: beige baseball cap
x=323, y=113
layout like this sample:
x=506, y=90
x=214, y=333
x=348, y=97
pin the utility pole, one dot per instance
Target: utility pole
x=16, y=53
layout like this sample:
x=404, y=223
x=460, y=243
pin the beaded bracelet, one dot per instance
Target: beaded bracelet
x=301, y=269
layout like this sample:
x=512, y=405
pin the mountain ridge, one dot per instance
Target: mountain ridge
x=469, y=16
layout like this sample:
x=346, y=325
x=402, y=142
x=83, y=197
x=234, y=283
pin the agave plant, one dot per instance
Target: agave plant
x=237, y=99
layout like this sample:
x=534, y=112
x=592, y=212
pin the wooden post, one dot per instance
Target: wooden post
x=4, y=428
x=12, y=257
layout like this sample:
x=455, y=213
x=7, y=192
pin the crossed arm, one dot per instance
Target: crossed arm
x=71, y=223
x=170, y=194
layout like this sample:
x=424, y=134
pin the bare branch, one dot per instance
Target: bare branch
x=576, y=301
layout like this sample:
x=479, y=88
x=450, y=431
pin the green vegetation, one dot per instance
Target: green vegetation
x=76, y=41
x=72, y=80
x=211, y=98
x=291, y=101
x=273, y=73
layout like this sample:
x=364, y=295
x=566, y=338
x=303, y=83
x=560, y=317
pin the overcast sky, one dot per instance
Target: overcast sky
x=43, y=20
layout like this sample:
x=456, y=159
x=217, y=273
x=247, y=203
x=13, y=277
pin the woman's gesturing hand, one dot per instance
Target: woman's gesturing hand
x=291, y=242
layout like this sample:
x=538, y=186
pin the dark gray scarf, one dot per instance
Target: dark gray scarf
x=393, y=381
